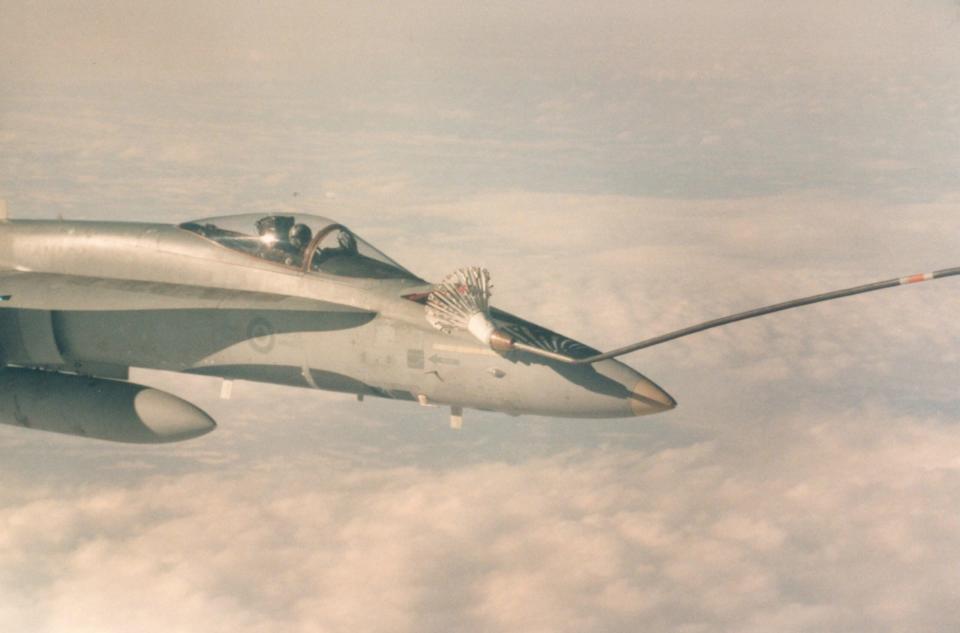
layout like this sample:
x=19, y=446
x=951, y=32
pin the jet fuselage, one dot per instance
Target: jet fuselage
x=96, y=298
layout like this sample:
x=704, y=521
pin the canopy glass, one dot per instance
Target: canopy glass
x=309, y=243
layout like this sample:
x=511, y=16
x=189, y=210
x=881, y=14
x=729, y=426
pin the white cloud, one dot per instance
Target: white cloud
x=834, y=522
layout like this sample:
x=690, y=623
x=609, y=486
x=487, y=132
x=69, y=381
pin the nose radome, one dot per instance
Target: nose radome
x=639, y=395
x=646, y=398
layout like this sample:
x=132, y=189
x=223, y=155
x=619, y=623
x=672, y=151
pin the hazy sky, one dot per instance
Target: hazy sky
x=623, y=169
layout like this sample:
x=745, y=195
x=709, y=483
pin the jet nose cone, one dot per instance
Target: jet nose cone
x=637, y=394
x=646, y=398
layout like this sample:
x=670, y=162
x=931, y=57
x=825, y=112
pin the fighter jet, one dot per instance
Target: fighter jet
x=295, y=300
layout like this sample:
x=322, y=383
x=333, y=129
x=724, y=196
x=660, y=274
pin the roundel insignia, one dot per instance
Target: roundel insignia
x=260, y=335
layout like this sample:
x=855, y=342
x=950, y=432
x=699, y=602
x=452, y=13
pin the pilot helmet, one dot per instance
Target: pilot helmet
x=300, y=235
x=347, y=242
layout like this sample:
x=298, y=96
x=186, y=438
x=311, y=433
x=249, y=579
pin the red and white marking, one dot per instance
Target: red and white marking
x=915, y=279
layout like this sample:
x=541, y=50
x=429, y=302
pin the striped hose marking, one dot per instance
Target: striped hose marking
x=915, y=279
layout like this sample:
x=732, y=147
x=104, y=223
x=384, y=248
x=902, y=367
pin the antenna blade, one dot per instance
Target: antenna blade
x=749, y=314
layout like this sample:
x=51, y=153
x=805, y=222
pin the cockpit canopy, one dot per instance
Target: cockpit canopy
x=306, y=242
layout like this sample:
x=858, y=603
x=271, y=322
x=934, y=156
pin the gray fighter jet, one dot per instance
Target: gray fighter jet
x=288, y=299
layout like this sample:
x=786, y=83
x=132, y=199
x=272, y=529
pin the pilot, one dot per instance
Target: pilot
x=300, y=236
x=347, y=242
x=299, y=239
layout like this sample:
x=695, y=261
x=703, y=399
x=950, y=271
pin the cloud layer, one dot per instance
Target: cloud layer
x=809, y=525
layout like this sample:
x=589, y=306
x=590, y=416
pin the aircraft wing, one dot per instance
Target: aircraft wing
x=47, y=291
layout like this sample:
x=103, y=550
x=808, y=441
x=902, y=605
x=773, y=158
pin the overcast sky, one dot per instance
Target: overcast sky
x=623, y=169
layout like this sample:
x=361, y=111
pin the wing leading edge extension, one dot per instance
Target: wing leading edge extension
x=740, y=316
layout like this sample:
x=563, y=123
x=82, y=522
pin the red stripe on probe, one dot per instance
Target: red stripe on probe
x=913, y=279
